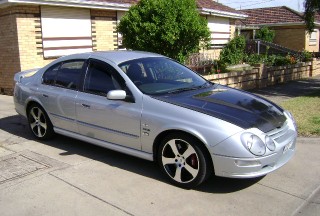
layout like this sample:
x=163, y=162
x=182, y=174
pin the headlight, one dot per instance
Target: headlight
x=270, y=144
x=253, y=143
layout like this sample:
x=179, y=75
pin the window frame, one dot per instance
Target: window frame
x=113, y=72
x=60, y=64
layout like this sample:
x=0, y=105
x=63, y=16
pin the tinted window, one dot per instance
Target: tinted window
x=66, y=74
x=100, y=79
x=50, y=75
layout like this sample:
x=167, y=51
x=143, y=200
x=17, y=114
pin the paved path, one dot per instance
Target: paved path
x=69, y=177
x=289, y=90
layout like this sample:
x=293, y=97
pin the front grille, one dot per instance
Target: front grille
x=281, y=134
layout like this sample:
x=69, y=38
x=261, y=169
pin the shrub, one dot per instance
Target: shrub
x=255, y=59
x=306, y=56
x=265, y=34
x=234, y=52
x=282, y=60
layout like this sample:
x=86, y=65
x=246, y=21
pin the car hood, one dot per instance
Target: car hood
x=235, y=106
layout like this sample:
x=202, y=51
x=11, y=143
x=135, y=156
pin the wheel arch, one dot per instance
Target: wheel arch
x=32, y=101
x=165, y=133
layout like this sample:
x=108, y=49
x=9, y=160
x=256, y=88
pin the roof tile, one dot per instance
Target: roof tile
x=208, y=4
x=272, y=15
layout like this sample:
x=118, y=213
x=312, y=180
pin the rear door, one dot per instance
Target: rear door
x=59, y=90
x=113, y=121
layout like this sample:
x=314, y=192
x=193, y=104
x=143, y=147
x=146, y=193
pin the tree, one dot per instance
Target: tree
x=311, y=7
x=172, y=28
x=265, y=34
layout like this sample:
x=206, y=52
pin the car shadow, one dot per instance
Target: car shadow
x=17, y=125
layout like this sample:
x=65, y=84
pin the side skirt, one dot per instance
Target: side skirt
x=112, y=146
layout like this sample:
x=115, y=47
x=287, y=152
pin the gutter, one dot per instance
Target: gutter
x=281, y=24
x=207, y=11
x=73, y=3
x=113, y=6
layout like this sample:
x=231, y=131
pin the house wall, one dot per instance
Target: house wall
x=291, y=37
x=21, y=45
x=222, y=31
x=30, y=38
x=104, y=34
x=313, y=44
x=9, y=52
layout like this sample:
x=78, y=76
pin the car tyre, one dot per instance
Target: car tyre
x=39, y=123
x=184, y=160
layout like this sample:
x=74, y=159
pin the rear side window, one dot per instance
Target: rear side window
x=49, y=76
x=65, y=74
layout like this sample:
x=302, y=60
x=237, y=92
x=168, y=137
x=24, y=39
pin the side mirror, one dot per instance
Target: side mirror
x=116, y=95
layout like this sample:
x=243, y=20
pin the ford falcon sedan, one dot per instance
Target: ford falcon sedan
x=151, y=107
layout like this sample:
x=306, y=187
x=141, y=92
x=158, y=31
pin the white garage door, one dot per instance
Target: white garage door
x=65, y=31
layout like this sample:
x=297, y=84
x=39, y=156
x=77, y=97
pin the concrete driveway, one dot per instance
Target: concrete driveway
x=69, y=177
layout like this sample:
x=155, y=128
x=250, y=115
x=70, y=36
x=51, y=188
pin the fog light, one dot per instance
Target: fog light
x=246, y=163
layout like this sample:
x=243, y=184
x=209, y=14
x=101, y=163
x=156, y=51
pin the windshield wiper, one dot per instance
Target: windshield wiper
x=187, y=88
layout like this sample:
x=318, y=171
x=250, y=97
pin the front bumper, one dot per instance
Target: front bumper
x=252, y=167
x=255, y=166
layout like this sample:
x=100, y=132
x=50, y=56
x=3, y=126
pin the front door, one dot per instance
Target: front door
x=113, y=121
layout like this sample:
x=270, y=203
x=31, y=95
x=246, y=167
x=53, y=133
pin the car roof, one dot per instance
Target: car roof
x=116, y=57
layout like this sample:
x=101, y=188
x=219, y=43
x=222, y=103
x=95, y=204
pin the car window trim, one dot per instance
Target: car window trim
x=113, y=72
x=56, y=75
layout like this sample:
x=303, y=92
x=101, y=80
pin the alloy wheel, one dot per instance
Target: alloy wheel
x=37, y=121
x=180, y=160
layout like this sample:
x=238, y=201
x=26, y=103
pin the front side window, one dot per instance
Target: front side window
x=100, y=78
x=65, y=74
x=161, y=75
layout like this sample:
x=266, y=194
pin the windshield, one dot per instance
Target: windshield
x=161, y=75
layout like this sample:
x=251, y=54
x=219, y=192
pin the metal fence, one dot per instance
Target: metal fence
x=263, y=47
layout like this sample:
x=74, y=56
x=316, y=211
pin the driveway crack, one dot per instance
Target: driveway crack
x=92, y=195
x=307, y=201
x=282, y=191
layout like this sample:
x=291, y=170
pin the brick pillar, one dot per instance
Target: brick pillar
x=103, y=25
x=9, y=51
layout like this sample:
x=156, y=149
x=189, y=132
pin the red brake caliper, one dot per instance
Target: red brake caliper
x=194, y=161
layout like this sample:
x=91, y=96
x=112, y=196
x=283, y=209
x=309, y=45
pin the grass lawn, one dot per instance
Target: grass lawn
x=306, y=111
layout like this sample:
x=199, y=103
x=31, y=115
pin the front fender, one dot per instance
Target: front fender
x=159, y=117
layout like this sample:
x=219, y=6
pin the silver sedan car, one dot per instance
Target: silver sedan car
x=152, y=107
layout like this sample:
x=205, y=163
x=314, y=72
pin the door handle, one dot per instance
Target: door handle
x=44, y=95
x=86, y=106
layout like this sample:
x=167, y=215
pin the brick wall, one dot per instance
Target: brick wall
x=21, y=40
x=104, y=33
x=20, y=43
x=292, y=38
x=315, y=67
x=261, y=76
x=30, y=37
x=9, y=52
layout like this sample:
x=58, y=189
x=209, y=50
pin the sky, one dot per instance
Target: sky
x=247, y=4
